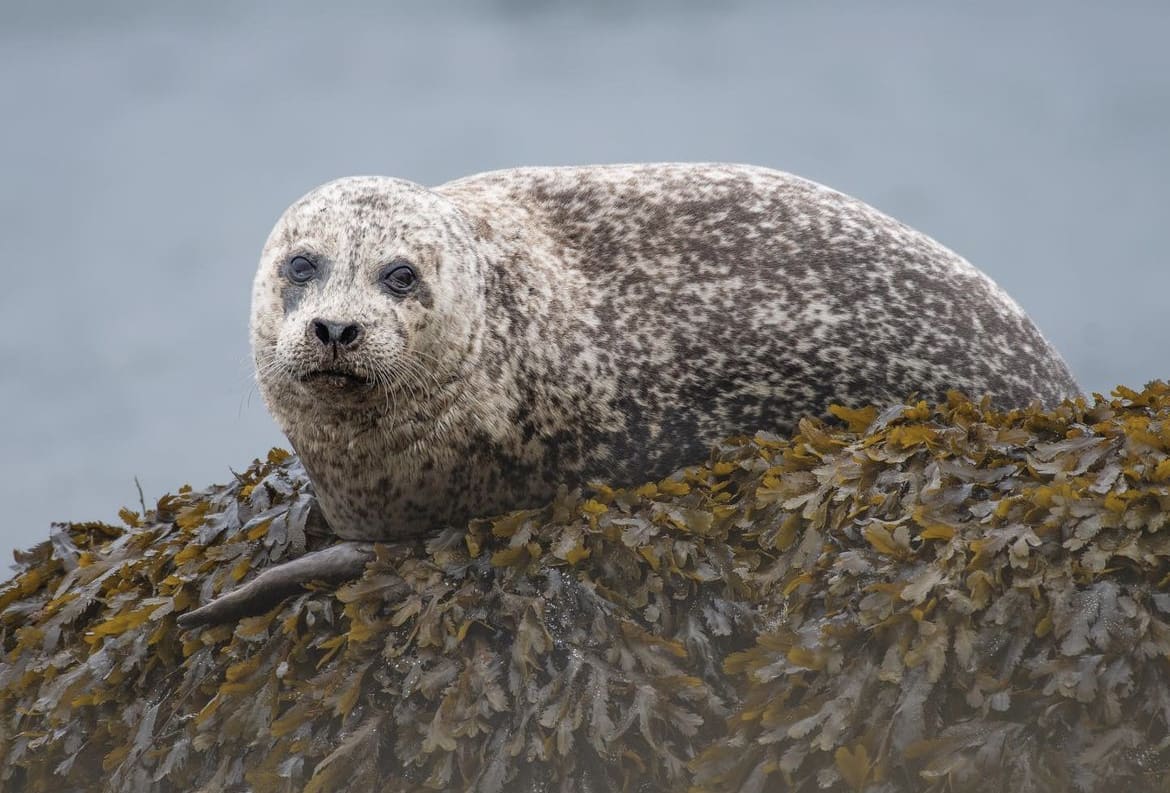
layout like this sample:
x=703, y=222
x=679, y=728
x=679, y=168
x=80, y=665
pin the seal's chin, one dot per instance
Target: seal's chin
x=336, y=379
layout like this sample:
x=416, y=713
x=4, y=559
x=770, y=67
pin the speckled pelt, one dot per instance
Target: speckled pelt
x=599, y=323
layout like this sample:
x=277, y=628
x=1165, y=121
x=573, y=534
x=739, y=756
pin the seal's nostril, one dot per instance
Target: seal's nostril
x=343, y=334
x=321, y=330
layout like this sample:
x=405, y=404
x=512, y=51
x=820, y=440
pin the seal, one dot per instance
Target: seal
x=438, y=354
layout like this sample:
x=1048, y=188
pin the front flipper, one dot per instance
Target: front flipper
x=334, y=564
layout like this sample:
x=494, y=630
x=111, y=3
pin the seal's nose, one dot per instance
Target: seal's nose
x=343, y=334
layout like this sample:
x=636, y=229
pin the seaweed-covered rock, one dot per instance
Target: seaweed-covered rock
x=924, y=598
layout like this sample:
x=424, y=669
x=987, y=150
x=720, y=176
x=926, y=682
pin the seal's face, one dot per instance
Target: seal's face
x=363, y=307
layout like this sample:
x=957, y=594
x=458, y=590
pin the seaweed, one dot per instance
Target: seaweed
x=914, y=597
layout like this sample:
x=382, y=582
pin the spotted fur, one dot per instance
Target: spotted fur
x=604, y=323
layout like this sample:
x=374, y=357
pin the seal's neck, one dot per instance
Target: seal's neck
x=383, y=422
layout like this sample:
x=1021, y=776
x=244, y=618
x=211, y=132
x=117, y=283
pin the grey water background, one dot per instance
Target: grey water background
x=147, y=148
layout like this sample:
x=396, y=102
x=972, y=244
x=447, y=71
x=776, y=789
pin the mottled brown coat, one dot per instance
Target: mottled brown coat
x=605, y=322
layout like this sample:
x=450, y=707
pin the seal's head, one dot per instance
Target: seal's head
x=364, y=307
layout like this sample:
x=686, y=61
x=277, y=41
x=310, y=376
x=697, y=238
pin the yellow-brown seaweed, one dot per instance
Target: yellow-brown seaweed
x=922, y=598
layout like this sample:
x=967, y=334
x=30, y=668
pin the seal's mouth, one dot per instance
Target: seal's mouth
x=339, y=378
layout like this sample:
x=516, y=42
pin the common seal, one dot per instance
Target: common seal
x=434, y=354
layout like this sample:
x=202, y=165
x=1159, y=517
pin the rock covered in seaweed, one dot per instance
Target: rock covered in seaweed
x=940, y=598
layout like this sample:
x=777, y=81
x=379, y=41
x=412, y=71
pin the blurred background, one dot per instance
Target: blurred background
x=147, y=148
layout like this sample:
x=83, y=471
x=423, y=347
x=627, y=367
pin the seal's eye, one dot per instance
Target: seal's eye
x=399, y=278
x=300, y=270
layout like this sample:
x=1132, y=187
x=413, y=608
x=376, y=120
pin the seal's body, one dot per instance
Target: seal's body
x=436, y=354
x=608, y=323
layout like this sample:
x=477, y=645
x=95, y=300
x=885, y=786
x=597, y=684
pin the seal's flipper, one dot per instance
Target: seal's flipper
x=335, y=564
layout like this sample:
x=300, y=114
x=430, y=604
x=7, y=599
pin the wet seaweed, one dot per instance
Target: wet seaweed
x=923, y=597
